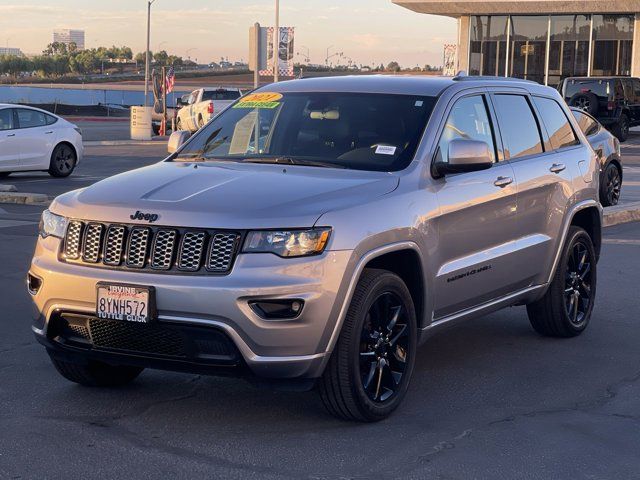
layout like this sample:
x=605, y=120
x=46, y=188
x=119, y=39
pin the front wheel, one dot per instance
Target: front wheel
x=63, y=161
x=369, y=370
x=565, y=309
x=621, y=129
x=610, y=186
x=96, y=374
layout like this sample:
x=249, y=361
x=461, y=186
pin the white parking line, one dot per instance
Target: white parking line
x=621, y=241
x=15, y=223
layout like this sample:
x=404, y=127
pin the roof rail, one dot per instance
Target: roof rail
x=491, y=77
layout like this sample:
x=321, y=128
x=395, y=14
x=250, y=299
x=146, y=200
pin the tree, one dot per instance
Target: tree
x=161, y=57
x=393, y=67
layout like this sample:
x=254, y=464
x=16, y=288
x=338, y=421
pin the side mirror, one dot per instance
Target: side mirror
x=465, y=156
x=179, y=102
x=177, y=139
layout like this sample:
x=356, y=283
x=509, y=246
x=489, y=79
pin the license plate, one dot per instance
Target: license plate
x=128, y=303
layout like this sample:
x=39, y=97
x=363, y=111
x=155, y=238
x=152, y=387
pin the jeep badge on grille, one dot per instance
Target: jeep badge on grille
x=149, y=217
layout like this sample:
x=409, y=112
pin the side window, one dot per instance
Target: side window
x=558, y=127
x=587, y=124
x=50, y=119
x=469, y=120
x=30, y=118
x=518, y=126
x=6, y=119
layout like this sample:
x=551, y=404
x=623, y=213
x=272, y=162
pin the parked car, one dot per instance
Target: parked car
x=32, y=139
x=319, y=230
x=202, y=105
x=607, y=147
x=613, y=101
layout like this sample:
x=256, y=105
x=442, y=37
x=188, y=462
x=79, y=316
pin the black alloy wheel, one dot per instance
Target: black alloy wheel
x=63, y=161
x=613, y=185
x=384, y=348
x=578, y=287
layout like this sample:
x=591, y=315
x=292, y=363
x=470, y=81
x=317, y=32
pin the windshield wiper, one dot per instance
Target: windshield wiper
x=292, y=161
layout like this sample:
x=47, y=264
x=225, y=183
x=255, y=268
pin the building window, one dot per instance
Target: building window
x=528, y=49
x=569, y=51
x=519, y=45
x=612, y=42
x=488, y=45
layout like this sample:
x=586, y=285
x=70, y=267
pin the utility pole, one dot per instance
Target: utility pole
x=146, y=54
x=276, y=44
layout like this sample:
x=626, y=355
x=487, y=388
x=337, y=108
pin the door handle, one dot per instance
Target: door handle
x=11, y=135
x=557, y=167
x=503, y=181
x=50, y=131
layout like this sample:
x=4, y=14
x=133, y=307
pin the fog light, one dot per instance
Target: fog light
x=277, y=309
x=33, y=283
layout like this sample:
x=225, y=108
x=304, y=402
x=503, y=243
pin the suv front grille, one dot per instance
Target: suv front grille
x=134, y=247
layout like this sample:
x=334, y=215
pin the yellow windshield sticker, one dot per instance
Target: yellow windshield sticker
x=259, y=100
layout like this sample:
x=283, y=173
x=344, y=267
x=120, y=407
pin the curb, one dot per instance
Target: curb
x=24, y=198
x=621, y=214
x=116, y=143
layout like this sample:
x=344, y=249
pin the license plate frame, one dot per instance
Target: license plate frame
x=137, y=314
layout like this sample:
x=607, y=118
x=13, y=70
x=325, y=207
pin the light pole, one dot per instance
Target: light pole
x=276, y=44
x=146, y=54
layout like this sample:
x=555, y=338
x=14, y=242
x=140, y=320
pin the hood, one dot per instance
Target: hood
x=224, y=195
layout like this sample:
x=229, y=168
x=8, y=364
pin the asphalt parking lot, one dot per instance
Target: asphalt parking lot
x=489, y=399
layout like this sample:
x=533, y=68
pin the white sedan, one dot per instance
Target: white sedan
x=35, y=140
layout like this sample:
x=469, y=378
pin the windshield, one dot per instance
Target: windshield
x=360, y=131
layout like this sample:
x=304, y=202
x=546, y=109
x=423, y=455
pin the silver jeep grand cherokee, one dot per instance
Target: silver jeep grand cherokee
x=317, y=231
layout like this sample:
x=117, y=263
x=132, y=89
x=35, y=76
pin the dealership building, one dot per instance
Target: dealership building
x=542, y=40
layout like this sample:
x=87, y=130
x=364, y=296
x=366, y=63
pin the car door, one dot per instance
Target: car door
x=477, y=221
x=37, y=138
x=544, y=152
x=9, y=144
x=193, y=99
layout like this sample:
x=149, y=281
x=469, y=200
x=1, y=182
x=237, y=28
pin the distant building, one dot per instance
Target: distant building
x=68, y=37
x=16, y=52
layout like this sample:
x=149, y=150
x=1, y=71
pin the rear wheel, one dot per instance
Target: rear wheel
x=369, y=370
x=178, y=125
x=63, y=161
x=200, y=122
x=610, y=185
x=565, y=309
x=96, y=374
x=621, y=129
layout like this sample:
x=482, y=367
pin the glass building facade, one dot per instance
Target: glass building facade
x=548, y=48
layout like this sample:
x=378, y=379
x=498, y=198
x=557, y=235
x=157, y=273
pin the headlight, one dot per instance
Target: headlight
x=288, y=243
x=53, y=225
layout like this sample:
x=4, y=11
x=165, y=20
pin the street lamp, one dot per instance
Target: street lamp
x=146, y=56
x=276, y=44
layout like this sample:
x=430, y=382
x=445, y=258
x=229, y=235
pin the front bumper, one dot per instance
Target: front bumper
x=292, y=348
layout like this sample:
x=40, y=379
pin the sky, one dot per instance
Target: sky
x=367, y=31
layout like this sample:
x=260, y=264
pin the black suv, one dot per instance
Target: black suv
x=613, y=101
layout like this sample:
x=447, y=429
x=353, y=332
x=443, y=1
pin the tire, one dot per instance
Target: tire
x=200, y=122
x=372, y=346
x=556, y=314
x=586, y=101
x=96, y=374
x=621, y=129
x=610, y=185
x=178, y=125
x=63, y=161
x=4, y=174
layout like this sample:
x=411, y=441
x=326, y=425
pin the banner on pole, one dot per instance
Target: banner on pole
x=450, y=60
x=284, y=49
